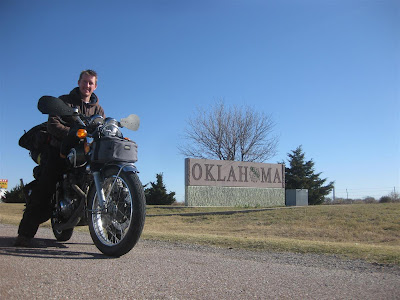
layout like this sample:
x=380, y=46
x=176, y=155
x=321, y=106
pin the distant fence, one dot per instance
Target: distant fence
x=361, y=193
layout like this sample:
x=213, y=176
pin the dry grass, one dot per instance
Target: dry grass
x=370, y=231
x=11, y=213
x=371, y=224
x=365, y=231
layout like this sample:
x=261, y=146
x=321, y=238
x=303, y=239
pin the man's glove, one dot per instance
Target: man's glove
x=70, y=141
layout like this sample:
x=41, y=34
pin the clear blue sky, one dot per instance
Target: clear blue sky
x=327, y=71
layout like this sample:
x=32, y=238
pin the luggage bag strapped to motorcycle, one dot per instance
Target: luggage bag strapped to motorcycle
x=36, y=140
x=109, y=149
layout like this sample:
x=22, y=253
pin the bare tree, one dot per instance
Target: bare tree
x=233, y=133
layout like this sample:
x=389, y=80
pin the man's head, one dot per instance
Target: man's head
x=87, y=83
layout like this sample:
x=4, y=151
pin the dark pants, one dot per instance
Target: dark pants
x=38, y=208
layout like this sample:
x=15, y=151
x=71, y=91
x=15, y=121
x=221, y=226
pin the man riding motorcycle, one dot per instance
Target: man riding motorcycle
x=38, y=208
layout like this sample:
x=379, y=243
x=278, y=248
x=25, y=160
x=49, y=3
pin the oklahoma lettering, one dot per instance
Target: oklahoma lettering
x=228, y=173
x=241, y=175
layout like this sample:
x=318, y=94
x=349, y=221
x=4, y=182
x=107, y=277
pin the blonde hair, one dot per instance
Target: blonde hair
x=88, y=72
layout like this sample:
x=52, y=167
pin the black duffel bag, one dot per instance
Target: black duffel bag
x=107, y=149
x=36, y=140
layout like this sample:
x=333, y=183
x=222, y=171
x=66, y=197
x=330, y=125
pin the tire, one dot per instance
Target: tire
x=117, y=229
x=61, y=235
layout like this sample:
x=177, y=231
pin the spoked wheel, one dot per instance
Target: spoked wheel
x=116, y=228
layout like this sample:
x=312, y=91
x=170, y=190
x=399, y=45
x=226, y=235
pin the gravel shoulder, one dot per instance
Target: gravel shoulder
x=162, y=270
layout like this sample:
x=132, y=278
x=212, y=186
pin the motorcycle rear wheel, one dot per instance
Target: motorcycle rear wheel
x=61, y=235
x=116, y=229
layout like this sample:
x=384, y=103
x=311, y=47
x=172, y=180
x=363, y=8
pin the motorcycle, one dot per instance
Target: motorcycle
x=101, y=187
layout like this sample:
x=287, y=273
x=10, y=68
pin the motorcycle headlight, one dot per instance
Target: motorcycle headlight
x=95, y=121
x=111, y=128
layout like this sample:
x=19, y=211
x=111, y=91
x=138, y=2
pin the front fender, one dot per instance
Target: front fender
x=117, y=167
x=126, y=167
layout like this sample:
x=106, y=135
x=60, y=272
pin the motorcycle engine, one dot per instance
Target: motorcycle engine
x=67, y=198
x=66, y=207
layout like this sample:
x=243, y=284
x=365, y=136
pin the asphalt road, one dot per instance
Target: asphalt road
x=159, y=270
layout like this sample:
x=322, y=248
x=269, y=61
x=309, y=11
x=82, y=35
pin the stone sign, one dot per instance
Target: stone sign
x=233, y=183
x=224, y=173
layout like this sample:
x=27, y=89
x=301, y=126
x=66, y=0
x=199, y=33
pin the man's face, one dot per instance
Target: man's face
x=87, y=84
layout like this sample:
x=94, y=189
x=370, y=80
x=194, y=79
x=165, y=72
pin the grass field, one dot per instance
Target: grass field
x=365, y=231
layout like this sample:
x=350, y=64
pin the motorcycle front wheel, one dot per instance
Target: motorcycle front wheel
x=116, y=228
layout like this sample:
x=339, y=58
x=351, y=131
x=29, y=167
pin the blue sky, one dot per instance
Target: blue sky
x=327, y=72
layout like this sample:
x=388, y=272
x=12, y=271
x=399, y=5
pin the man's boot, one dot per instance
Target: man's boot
x=22, y=241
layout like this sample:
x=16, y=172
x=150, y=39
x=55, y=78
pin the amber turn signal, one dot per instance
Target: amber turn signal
x=81, y=133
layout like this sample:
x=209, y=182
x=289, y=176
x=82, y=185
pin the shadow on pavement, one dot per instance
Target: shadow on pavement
x=47, y=248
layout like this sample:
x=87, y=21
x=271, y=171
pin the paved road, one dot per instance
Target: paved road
x=159, y=270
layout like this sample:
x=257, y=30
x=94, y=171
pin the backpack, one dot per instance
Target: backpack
x=36, y=140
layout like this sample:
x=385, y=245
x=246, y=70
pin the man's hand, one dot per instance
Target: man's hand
x=70, y=141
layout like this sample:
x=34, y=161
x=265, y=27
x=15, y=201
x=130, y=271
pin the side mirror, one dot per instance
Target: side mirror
x=54, y=106
x=131, y=122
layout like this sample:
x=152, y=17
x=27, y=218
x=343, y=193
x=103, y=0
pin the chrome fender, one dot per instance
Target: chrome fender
x=125, y=167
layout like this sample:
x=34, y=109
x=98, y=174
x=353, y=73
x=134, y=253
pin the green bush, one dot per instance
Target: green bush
x=369, y=199
x=16, y=195
x=157, y=193
x=385, y=199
